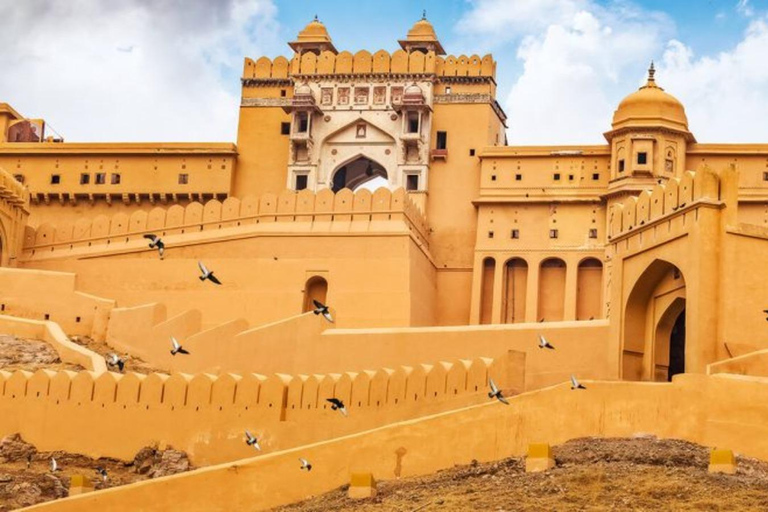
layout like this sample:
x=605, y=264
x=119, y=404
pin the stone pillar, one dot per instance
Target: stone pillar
x=539, y=458
x=532, y=290
x=361, y=486
x=571, y=295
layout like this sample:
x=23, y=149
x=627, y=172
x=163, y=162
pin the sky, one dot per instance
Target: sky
x=169, y=70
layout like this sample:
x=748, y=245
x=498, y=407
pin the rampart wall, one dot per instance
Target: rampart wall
x=115, y=415
x=717, y=411
x=363, y=62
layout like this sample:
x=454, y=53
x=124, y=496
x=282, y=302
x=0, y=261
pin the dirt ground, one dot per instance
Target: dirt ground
x=26, y=478
x=637, y=474
x=31, y=355
x=132, y=364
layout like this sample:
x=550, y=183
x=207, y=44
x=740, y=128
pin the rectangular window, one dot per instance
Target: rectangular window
x=101, y=178
x=282, y=93
x=593, y=233
x=552, y=233
x=115, y=179
x=515, y=234
x=301, y=181
x=448, y=90
x=379, y=95
x=55, y=179
x=557, y=176
x=85, y=178
x=360, y=131
x=493, y=177
x=397, y=95
x=183, y=179
x=642, y=158
x=302, y=122
x=412, y=182
x=490, y=234
x=326, y=95
x=570, y=177
x=621, y=165
x=442, y=140
x=595, y=177
x=413, y=122
x=361, y=95
x=285, y=128
x=344, y=96
x=518, y=177
x=471, y=152
x=765, y=176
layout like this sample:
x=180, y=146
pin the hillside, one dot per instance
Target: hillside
x=638, y=474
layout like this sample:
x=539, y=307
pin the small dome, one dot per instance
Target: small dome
x=650, y=106
x=303, y=89
x=413, y=90
x=313, y=37
x=422, y=36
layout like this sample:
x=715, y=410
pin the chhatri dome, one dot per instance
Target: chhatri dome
x=422, y=36
x=650, y=106
x=314, y=37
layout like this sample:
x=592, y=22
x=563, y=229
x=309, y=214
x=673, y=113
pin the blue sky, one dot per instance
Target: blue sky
x=148, y=70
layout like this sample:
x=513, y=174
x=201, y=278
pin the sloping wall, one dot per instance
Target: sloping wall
x=722, y=411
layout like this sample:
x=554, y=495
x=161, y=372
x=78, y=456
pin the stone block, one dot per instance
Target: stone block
x=722, y=461
x=361, y=486
x=79, y=484
x=539, y=458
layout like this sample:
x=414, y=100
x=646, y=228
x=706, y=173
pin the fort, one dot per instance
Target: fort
x=382, y=185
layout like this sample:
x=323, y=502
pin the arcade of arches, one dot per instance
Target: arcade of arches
x=541, y=295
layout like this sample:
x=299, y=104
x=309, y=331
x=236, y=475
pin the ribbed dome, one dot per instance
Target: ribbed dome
x=650, y=106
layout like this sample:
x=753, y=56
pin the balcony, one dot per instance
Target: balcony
x=435, y=154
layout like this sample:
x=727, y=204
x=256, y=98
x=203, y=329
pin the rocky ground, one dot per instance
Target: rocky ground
x=638, y=474
x=132, y=364
x=26, y=477
x=25, y=354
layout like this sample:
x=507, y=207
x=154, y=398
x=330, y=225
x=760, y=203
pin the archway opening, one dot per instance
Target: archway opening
x=486, y=290
x=515, y=287
x=650, y=350
x=589, y=289
x=316, y=288
x=552, y=290
x=358, y=172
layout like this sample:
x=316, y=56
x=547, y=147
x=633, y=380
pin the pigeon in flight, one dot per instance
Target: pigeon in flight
x=337, y=404
x=322, y=309
x=496, y=392
x=576, y=384
x=155, y=242
x=543, y=343
x=102, y=473
x=115, y=360
x=305, y=464
x=177, y=348
x=54, y=465
x=251, y=440
x=207, y=274
x=766, y=314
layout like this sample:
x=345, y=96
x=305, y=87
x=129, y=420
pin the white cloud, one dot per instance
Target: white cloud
x=725, y=96
x=743, y=7
x=132, y=70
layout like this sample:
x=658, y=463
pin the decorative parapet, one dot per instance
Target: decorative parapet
x=663, y=201
x=363, y=62
x=314, y=212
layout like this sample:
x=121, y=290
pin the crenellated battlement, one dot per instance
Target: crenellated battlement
x=662, y=201
x=306, y=211
x=365, y=63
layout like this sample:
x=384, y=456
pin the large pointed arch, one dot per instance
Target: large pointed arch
x=356, y=171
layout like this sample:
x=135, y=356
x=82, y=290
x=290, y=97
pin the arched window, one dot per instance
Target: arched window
x=552, y=290
x=515, y=286
x=316, y=288
x=589, y=289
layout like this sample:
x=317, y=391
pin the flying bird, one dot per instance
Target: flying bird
x=322, y=309
x=54, y=465
x=251, y=440
x=207, y=274
x=102, y=473
x=576, y=384
x=155, y=242
x=496, y=392
x=766, y=314
x=543, y=343
x=337, y=404
x=177, y=348
x=115, y=360
x=305, y=464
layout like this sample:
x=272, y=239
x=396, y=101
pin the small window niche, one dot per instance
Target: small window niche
x=183, y=179
x=642, y=158
x=442, y=140
x=412, y=182
x=285, y=128
x=100, y=178
x=593, y=233
x=302, y=181
x=621, y=165
x=412, y=122
x=553, y=233
x=115, y=179
x=85, y=178
x=515, y=234
x=55, y=179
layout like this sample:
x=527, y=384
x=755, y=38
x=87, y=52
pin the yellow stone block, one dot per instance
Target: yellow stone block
x=361, y=486
x=722, y=461
x=539, y=458
x=79, y=484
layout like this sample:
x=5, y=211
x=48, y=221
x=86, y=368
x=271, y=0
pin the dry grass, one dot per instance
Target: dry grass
x=31, y=355
x=638, y=474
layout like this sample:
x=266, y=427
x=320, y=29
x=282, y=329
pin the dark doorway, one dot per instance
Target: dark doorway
x=677, y=347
